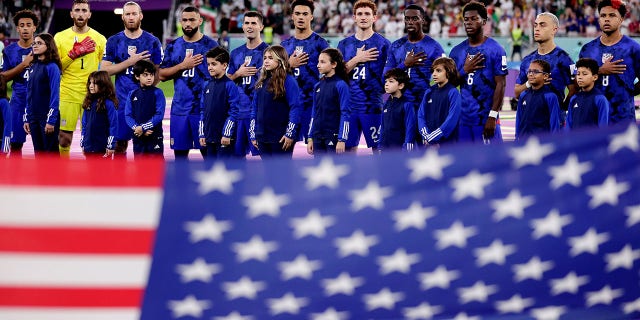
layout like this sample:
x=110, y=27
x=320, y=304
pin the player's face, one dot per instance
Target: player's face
x=26, y=28
x=252, y=27
x=216, y=68
x=39, y=46
x=146, y=79
x=535, y=75
x=585, y=78
x=413, y=21
x=544, y=29
x=131, y=17
x=325, y=66
x=302, y=17
x=80, y=14
x=93, y=87
x=364, y=18
x=270, y=61
x=610, y=20
x=473, y=23
x=191, y=21
x=392, y=86
x=440, y=75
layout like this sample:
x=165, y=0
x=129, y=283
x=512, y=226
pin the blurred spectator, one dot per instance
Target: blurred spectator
x=516, y=38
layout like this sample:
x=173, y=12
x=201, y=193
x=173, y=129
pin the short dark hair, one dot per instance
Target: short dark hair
x=306, y=3
x=81, y=2
x=588, y=63
x=219, y=54
x=191, y=9
x=400, y=76
x=475, y=6
x=616, y=4
x=22, y=14
x=254, y=14
x=416, y=7
x=546, y=67
x=143, y=66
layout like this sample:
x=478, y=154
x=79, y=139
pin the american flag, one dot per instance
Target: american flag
x=547, y=228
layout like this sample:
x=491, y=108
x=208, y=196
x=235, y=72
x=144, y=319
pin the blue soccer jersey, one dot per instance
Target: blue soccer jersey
x=239, y=57
x=188, y=85
x=12, y=56
x=420, y=75
x=119, y=48
x=366, y=82
x=562, y=69
x=306, y=75
x=618, y=88
x=477, y=88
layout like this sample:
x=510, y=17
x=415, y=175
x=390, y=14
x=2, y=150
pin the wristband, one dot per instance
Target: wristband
x=493, y=114
x=527, y=84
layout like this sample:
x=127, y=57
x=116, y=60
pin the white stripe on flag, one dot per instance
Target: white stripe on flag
x=69, y=313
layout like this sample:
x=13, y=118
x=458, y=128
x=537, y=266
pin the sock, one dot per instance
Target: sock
x=64, y=151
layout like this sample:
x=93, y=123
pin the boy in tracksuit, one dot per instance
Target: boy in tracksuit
x=538, y=107
x=399, y=122
x=589, y=107
x=144, y=111
x=219, y=108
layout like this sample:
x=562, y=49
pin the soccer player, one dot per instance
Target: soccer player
x=81, y=48
x=304, y=49
x=124, y=49
x=619, y=56
x=183, y=62
x=545, y=28
x=15, y=66
x=365, y=53
x=538, y=107
x=483, y=68
x=589, y=107
x=245, y=62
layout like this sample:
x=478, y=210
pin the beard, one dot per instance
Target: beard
x=135, y=26
x=80, y=24
x=189, y=33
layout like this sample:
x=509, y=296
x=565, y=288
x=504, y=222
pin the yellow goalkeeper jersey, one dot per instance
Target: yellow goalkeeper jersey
x=73, y=83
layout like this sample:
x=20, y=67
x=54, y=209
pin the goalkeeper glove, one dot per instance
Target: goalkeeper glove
x=81, y=48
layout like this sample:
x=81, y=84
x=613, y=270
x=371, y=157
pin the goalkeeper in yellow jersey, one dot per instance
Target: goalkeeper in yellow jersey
x=81, y=49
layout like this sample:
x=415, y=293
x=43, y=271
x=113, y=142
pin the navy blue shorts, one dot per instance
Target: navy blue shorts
x=183, y=132
x=367, y=124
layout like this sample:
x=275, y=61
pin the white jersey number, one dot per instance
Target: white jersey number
x=359, y=73
x=605, y=81
x=470, y=78
x=189, y=73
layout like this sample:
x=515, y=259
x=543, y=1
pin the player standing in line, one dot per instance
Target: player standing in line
x=81, y=49
x=398, y=117
x=589, y=107
x=245, y=62
x=99, y=118
x=183, y=62
x=366, y=54
x=304, y=49
x=545, y=28
x=15, y=63
x=6, y=125
x=124, y=49
x=483, y=68
x=538, y=107
x=620, y=57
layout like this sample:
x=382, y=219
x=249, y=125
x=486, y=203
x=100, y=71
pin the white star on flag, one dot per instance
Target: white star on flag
x=421, y=311
x=440, y=278
x=189, y=306
x=628, y=139
x=456, y=235
x=570, y=283
x=552, y=224
x=313, y=224
x=531, y=153
x=243, y=288
x=301, y=267
x=330, y=314
x=235, y=315
x=608, y=192
x=633, y=214
x=496, y=253
x=415, y=216
x=511, y=206
x=633, y=306
x=384, y=299
x=399, y=261
x=548, y=313
x=516, y=304
x=603, y=296
x=478, y=292
x=588, y=242
x=343, y=284
x=198, y=270
x=325, y=174
x=372, y=196
x=430, y=165
x=472, y=185
x=207, y=229
x=286, y=304
x=265, y=203
x=569, y=173
x=622, y=259
x=533, y=269
x=255, y=248
x=218, y=178
x=358, y=243
x=464, y=316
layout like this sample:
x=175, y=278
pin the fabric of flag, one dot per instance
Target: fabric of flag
x=547, y=228
x=76, y=237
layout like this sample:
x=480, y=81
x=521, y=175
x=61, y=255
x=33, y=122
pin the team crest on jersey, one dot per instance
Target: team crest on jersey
x=299, y=49
x=606, y=56
x=247, y=60
x=188, y=52
x=24, y=56
x=132, y=50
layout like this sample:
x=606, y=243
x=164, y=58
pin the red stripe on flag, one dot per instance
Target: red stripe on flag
x=75, y=240
x=70, y=297
x=58, y=172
